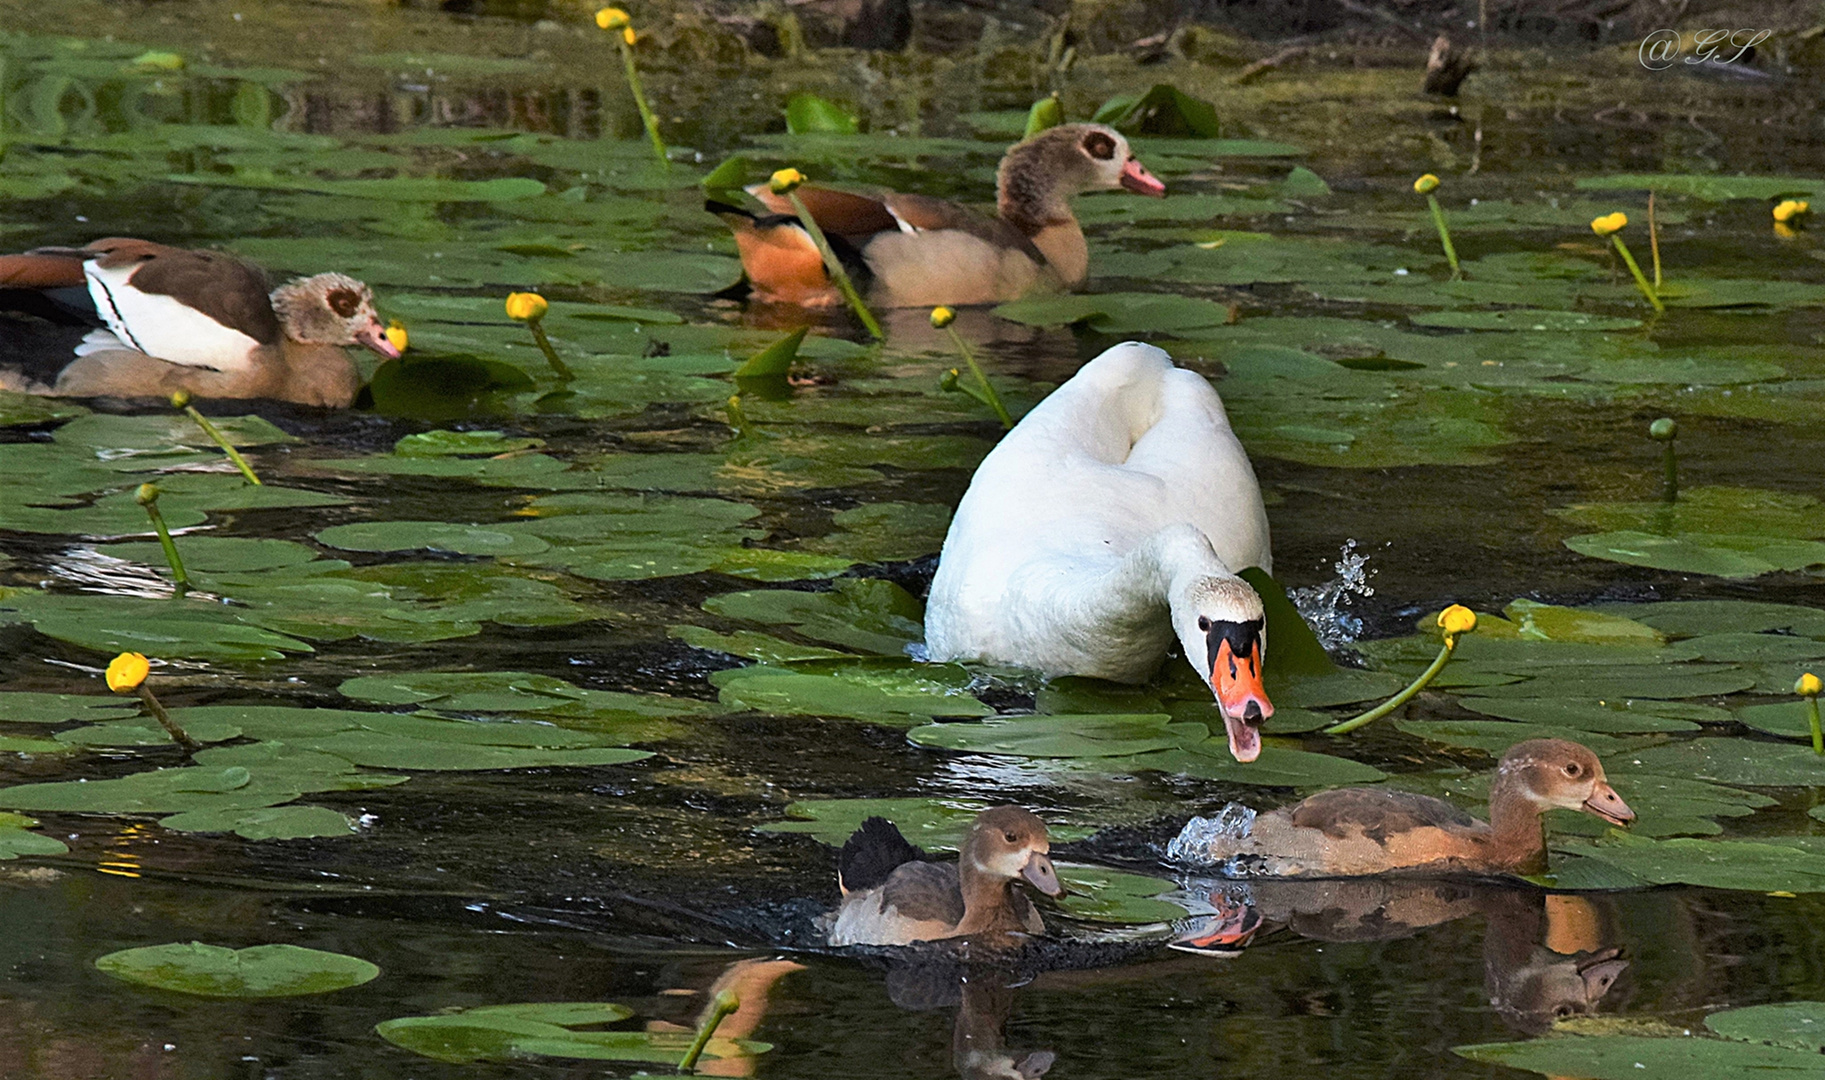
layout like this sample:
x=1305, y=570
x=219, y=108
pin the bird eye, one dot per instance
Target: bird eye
x=1204, y=624
x=1011, y=838
x=1573, y=769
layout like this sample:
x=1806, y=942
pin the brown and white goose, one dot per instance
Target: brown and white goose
x=1356, y=832
x=893, y=896
x=918, y=251
x=202, y=322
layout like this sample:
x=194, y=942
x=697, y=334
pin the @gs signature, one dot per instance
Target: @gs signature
x=1660, y=49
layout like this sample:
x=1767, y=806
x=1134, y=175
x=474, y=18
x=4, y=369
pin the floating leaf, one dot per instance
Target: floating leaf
x=1523, y=319
x=263, y=971
x=893, y=694
x=1162, y=110
x=431, y=536
x=1073, y=735
x=774, y=361
x=1102, y=895
x=808, y=114
x=274, y=823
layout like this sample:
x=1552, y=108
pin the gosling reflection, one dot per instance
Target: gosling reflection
x=1544, y=957
x=983, y=996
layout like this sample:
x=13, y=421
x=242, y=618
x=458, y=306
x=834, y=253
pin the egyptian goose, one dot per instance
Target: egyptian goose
x=203, y=322
x=1353, y=832
x=893, y=896
x=917, y=251
x=1107, y=523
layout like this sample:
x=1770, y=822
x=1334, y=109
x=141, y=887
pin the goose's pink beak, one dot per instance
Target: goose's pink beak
x=1137, y=179
x=373, y=336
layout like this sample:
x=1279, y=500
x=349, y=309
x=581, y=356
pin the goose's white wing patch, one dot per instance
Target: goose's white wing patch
x=163, y=327
x=96, y=341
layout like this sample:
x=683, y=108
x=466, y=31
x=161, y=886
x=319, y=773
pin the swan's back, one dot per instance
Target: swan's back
x=1126, y=447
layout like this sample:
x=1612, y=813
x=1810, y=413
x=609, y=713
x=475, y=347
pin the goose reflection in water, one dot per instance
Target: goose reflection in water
x=1544, y=956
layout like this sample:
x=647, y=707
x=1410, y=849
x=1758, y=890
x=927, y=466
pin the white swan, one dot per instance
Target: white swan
x=1105, y=523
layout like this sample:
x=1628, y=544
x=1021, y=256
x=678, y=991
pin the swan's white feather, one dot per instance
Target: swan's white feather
x=1131, y=455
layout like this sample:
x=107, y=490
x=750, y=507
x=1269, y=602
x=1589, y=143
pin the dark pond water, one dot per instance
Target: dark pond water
x=574, y=550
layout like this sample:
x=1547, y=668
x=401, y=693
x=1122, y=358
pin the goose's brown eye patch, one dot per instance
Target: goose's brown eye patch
x=1011, y=838
x=1099, y=146
x=344, y=302
x=1572, y=769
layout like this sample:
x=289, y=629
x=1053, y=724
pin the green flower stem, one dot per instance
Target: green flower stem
x=178, y=734
x=215, y=433
x=988, y=395
x=1401, y=698
x=1444, y=236
x=646, y=111
x=1641, y=280
x=726, y=1002
x=835, y=267
x=1812, y=717
x=164, y=541
x=561, y=369
x=1669, y=491
x=1654, y=241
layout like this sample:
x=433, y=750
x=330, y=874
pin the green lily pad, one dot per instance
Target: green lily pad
x=1585, y=714
x=1715, y=554
x=1103, y=895
x=431, y=536
x=21, y=707
x=863, y=614
x=1073, y=735
x=209, y=554
x=1736, y=761
x=1709, y=187
x=1162, y=110
x=1689, y=618
x=16, y=839
x=1789, y=719
x=272, y=823
x=1718, y=864
x=900, y=694
x=1523, y=319
x=808, y=114
x=753, y=645
x=263, y=971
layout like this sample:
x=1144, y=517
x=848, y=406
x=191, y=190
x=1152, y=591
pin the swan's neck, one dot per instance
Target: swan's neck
x=1126, y=615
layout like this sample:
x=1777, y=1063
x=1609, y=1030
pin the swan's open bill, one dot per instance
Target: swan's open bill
x=1106, y=525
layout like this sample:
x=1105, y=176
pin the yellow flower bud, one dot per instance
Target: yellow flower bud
x=397, y=336
x=1808, y=685
x=1788, y=209
x=1609, y=223
x=526, y=306
x=146, y=494
x=1426, y=184
x=942, y=317
x=628, y=35
x=1456, y=619
x=612, y=18
x=180, y=399
x=1784, y=230
x=785, y=180
x=127, y=671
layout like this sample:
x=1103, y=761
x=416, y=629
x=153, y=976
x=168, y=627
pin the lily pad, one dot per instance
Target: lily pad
x=1102, y=895
x=1524, y=319
x=431, y=536
x=263, y=971
x=1073, y=735
x=273, y=823
x=894, y=694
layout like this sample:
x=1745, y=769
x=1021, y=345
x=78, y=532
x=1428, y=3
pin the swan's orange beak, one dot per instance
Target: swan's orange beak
x=1237, y=681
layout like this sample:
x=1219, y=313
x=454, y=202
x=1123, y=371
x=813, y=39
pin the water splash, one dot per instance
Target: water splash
x=1325, y=607
x=1192, y=846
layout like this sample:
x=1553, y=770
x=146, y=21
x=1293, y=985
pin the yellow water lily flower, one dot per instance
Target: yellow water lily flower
x=1426, y=184
x=1788, y=209
x=526, y=306
x=1808, y=685
x=1457, y=619
x=613, y=18
x=127, y=671
x=785, y=180
x=1609, y=223
x=942, y=317
x=397, y=336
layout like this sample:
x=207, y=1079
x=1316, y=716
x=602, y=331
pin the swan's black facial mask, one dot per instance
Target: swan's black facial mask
x=1235, y=675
